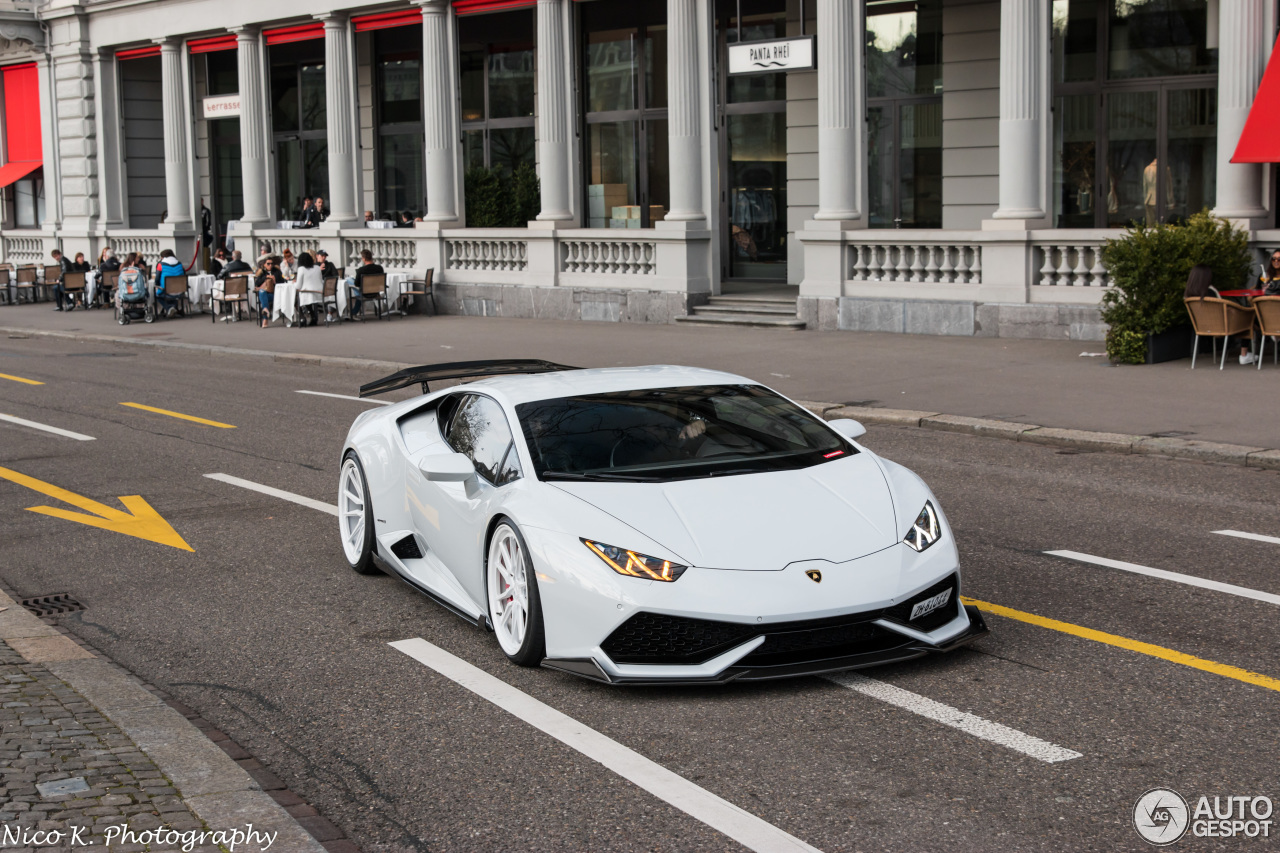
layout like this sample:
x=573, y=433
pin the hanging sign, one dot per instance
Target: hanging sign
x=222, y=106
x=763, y=57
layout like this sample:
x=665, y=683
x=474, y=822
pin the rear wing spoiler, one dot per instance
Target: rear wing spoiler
x=459, y=370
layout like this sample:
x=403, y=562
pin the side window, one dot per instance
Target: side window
x=479, y=430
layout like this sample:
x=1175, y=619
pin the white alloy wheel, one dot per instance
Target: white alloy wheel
x=355, y=517
x=508, y=589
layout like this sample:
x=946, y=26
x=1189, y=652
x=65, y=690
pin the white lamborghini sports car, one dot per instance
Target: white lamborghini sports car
x=650, y=525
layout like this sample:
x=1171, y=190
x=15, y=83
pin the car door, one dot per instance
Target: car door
x=479, y=429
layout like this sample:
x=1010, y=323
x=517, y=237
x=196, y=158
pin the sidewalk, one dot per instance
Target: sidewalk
x=90, y=756
x=1029, y=381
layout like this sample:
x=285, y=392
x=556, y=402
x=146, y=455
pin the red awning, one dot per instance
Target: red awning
x=138, y=52
x=1259, y=141
x=11, y=172
x=23, y=139
x=213, y=44
x=475, y=7
x=386, y=20
x=302, y=32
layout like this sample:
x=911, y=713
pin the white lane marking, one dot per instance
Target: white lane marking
x=346, y=397
x=65, y=433
x=275, y=493
x=1258, y=537
x=1189, y=580
x=972, y=724
x=699, y=803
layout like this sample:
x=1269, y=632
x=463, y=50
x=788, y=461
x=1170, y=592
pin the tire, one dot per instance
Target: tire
x=355, y=516
x=511, y=589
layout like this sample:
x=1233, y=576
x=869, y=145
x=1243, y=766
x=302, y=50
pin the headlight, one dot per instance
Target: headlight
x=926, y=529
x=635, y=565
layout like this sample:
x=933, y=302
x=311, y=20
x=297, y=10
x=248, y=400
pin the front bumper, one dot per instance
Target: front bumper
x=778, y=651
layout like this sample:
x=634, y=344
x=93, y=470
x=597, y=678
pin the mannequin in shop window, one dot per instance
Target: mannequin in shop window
x=1150, y=177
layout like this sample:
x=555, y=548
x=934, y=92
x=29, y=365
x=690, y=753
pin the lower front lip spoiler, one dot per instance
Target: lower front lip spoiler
x=589, y=668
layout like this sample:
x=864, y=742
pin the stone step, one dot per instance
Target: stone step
x=737, y=299
x=754, y=321
x=735, y=308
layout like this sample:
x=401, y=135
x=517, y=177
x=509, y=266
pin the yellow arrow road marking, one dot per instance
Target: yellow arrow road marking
x=19, y=379
x=139, y=521
x=1225, y=670
x=192, y=418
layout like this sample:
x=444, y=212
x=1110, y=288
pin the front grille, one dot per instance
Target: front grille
x=407, y=548
x=658, y=638
x=821, y=639
x=930, y=621
x=52, y=605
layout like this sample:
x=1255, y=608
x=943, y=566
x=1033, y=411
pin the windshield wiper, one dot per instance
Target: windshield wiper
x=596, y=475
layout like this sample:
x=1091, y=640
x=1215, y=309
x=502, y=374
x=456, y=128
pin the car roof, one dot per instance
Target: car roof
x=546, y=386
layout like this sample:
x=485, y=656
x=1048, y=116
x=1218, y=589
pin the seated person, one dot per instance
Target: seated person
x=235, y=265
x=310, y=288
x=169, y=267
x=367, y=267
x=80, y=264
x=266, y=283
x=217, y=262
x=1200, y=286
x=59, y=292
x=327, y=269
x=107, y=261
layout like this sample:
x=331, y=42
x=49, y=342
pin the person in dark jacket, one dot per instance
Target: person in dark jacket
x=307, y=216
x=367, y=267
x=59, y=292
x=206, y=225
x=107, y=261
x=327, y=269
x=235, y=265
x=322, y=213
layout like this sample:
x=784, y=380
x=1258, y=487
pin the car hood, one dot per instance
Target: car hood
x=836, y=511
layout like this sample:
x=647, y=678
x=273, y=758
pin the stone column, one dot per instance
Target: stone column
x=840, y=109
x=684, y=122
x=341, y=121
x=1024, y=108
x=1241, y=60
x=439, y=102
x=177, y=166
x=553, y=112
x=253, y=129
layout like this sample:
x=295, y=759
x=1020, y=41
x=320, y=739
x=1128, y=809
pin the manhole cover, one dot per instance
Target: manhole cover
x=52, y=605
x=102, y=355
x=62, y=786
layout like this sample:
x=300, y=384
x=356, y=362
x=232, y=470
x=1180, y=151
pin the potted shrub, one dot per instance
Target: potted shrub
x=501, y=198
x=1149, y=266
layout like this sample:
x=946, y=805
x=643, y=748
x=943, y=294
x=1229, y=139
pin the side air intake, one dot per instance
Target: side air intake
x=407, y=548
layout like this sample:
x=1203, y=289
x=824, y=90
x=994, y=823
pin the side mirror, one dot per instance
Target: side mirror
x=848, y=427
x=446, y=467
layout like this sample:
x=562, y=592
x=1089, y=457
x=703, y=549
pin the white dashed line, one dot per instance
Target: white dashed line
x=1257, y=537
x=1189, y=580
x=346, y=397
x=719, y=814
x=65, y=433
x=275, y=493
x=972, y=724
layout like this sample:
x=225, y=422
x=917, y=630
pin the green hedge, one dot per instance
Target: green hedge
x=500, y=198
x=1149, y=266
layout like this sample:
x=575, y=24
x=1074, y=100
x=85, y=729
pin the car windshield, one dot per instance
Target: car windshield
x=662, y=434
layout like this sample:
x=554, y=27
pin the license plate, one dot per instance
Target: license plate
x=930, y=604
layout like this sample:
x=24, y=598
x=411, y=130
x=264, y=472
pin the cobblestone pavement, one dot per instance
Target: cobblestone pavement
x=50, y=734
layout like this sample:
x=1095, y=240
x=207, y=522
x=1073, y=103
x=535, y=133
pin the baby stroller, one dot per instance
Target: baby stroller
x=133, y=298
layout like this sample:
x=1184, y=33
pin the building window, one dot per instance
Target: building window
x=497, y=77
x=222, y=76
x=904, y=114
x=626, y=116
x=1135, y=112
x=298, y=122
x=401, y=158
x=28, y=200
x=755, y=154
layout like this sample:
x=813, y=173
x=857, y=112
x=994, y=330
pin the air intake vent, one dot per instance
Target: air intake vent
x=407, y=548
x=52, y=605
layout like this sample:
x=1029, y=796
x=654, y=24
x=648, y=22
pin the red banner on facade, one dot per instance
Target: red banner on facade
x=302, y=32
x=475, y=7
x=138, y=52
x=387, y=20
x=22, y=116
x=212, y=44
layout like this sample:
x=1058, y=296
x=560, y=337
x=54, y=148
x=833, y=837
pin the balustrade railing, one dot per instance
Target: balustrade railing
x=23, y=250
x=939, y=263
x=487, y=255
x=389, y=252
x=1071, y=264
x=609, y=257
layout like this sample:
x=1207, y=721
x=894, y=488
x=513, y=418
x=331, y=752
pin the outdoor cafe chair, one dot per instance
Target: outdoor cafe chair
x=107, y=286
x=73, y=285
x=179, y=288
x=373, y=289
x=235, y=292
x=330, y=297
x=27, y=283
x=418, y=287
x=1268, y=310
x=52, y=274
x=1213, y=317
x=6, y=295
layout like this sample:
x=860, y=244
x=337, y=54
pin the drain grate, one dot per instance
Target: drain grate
x=52, y=605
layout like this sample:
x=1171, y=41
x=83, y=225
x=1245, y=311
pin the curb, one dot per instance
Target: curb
x=1112, y=442
x=200, y=761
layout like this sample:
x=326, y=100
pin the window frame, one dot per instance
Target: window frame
x=302, y=137
x=384, y=129
x=462, y=399
x=487, y=124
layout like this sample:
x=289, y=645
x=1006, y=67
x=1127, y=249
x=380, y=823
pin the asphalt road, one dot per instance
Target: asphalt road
x=264, y=630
